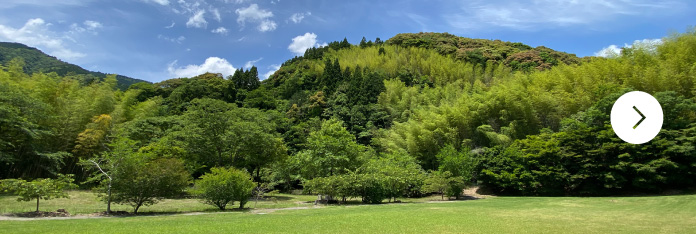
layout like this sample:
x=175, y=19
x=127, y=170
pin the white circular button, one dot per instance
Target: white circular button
x=636, y=117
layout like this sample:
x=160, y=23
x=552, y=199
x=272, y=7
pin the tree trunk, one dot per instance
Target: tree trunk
x=37, y=205
x=108, y=203
x=135, y=212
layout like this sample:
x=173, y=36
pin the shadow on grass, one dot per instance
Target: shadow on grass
x=273, y=197
x=123, y=214
x=669, y=192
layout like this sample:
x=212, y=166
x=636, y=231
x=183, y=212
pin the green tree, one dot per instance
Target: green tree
x=141, y=180
x=331, y=150
x=443, y=183
x=218, y=134
x=38, y=189
x=223, y=186
x=460, y=163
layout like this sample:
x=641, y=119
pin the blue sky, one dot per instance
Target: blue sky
x=156, y=40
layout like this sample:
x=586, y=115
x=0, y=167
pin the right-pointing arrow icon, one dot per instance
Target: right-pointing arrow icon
x=624, y=118
x=641, y=119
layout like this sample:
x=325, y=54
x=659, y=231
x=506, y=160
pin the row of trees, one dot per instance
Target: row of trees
x=138, y=184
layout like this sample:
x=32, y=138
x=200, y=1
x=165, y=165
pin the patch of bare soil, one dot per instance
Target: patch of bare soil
x=477, y=193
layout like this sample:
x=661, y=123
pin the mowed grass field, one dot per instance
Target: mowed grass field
x=85, y=202
x=659, y=214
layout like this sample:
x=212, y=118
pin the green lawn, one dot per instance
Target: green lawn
x=82, y=202
x=665, y=214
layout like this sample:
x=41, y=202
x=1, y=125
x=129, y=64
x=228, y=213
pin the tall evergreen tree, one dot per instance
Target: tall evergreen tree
x=363, y=43
x=344, y=44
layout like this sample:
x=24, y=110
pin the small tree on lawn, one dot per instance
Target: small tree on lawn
x=243, y=187
x=38, y=189
x=436, y=182
x=140, y=181
x=223, y=186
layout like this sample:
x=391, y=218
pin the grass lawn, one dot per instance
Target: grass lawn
x=664, y=214
x=84, y=202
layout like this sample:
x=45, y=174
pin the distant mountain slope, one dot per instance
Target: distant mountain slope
x=514, y=54
x=37, y=61
x=410, y=56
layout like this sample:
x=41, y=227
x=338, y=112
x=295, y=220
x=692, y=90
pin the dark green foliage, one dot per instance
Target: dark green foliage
x=586, y=157
x=207, y=85
x=141, y=181
x=36, y=61
x=218, y=134
x=247, y=80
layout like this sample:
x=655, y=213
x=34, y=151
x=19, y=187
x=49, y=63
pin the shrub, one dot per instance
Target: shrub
x=223, y=186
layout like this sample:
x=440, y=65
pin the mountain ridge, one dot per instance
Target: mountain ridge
x=37, y=61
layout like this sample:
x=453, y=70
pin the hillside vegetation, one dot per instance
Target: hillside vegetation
x=36, y=61
x=414, y=115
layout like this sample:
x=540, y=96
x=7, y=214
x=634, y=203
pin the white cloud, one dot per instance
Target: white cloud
x=254, y=14
x=267, y=25
x=178, y=40
x=251, y=63
x=220, y=30
x=273, y=68
x=532, y=15
x=216, y=14
x=170, y=26
x=303, y=42
x=298, y=17
x=161, y=2
x=211, y=64
x=35, y=33
x=87, y=26
x=197, y=20
x=92, y=25
x=187, y=7
x=74, y=28
x=611, y=51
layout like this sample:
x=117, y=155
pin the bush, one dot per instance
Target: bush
x=223, y=186
x=390, y=177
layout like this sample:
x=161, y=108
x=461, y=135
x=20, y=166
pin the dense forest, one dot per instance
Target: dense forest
x=415, y=114
x=36, y=61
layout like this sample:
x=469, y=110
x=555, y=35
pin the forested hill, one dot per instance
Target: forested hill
x=481, y=53
x=37, y=61
x=514, y=54
x=395, y=118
